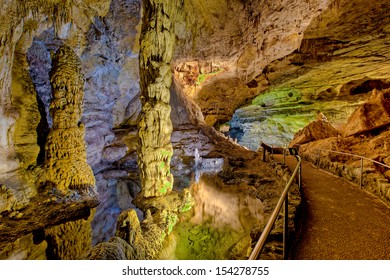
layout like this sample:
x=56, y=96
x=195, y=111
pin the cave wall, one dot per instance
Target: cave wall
x=342, y=58
x=243, y=37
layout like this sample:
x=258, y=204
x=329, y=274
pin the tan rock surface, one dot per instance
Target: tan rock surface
x=318, y=129
x=65, y=165
x=373, y=114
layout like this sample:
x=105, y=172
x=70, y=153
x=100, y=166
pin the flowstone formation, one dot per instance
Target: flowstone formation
x=155, y=126
x=65, y=165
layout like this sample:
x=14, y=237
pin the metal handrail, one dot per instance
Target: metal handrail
x=348, y=154
x=271, y=222
x=361, y=161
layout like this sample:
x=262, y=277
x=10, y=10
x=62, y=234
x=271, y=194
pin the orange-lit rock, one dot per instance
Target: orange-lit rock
x=373, y=114
x=318, y=129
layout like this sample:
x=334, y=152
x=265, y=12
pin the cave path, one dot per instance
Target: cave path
x=339, y=221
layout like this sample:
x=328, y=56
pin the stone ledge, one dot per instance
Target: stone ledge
x=44, y=211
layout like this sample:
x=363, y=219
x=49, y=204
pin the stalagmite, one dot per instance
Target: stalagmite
x=65, y=165
x=69, y=241
x=155, y=126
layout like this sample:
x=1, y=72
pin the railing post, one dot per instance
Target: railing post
x=264, y=153
x=299, y=172
x=285, y=229
x=361, y=173
x=284, y=155
x=272, y=152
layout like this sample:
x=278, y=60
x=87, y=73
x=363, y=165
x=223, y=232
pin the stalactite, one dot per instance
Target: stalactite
x=65, y=163
x=58, y=11
x=155, y=126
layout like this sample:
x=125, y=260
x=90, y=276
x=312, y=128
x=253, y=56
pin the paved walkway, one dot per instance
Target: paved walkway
x=339, y=220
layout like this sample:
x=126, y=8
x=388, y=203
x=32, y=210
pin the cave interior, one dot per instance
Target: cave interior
x=133, y=129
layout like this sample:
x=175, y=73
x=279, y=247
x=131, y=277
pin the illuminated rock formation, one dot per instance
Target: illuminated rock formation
x=137, y=240
x=65, y=164
x=69, y=241
x=155, y=126
x=321, y=128
x=373, y=114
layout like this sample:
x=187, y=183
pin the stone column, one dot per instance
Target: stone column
x=155, y=126
x=65, y=165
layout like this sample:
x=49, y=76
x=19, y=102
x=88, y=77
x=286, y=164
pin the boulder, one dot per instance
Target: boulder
x=321, y=128
x=373, y=114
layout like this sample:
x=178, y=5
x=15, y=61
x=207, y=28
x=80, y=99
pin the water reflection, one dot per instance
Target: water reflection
x=225, y=205
x=220, y=223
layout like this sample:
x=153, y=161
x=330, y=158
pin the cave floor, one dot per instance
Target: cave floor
x=339, y=221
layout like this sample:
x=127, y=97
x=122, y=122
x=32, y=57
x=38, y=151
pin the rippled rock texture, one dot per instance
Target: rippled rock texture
x=155, y=125
x=65, y=166
x=343, y=56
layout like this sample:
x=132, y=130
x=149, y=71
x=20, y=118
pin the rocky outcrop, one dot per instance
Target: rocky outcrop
x=249, y=35
x=319, y=129
x=373, y=114
x=46, y=210
x=24, y=249
x=272, y=118
x=7, y=199
x=65, y=165
x=367, y=153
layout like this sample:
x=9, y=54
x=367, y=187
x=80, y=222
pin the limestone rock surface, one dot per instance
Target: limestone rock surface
x=373, y=114
x=65, y=165
x=318, y=129
x=334, y=69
